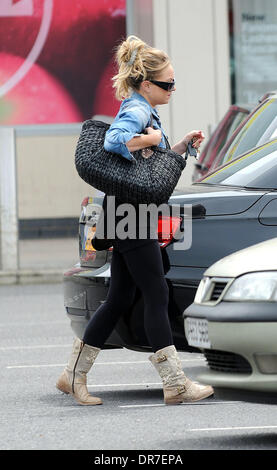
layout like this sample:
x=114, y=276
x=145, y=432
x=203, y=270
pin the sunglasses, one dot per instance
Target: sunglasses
x=167, y=86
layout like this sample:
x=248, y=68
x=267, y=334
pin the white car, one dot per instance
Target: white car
x=233, y=319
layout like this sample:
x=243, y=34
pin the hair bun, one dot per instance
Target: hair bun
x=137, y=61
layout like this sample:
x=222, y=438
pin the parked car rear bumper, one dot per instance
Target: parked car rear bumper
x=85, y=289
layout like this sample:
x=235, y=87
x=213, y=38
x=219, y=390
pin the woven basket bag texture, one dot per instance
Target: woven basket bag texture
x=145, y=181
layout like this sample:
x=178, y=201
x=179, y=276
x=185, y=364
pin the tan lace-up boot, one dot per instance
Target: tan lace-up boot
x=74, y=377
x=176, y=386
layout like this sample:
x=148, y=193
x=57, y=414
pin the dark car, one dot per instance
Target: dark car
x=233, y=208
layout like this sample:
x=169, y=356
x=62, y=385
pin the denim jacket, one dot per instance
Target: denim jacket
x=134, y=115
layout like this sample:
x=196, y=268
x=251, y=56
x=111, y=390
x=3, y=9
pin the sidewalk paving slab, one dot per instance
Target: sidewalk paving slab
x=43, y=260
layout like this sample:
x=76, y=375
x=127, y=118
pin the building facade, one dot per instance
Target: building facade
x=223, y=51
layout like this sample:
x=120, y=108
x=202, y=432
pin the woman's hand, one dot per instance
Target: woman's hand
x=152, y=138
x=156, y=134
x=196, y=136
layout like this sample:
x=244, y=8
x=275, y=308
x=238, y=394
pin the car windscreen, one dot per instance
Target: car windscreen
x=259, y=128
x=255, y=169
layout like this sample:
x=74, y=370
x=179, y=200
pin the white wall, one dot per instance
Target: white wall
x=47, y=182
x=195, y=35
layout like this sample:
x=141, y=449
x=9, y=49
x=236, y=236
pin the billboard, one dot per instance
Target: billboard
x=56, y=59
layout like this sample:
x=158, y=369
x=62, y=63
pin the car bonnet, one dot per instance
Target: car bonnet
x=259, y=257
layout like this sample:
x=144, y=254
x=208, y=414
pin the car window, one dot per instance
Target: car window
x=274, y=135
x=255, y=169
x=223, y=132
x=270, y=133
x=252, y=133
x=238, y=118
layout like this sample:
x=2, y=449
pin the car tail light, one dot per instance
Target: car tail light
x=167, y=227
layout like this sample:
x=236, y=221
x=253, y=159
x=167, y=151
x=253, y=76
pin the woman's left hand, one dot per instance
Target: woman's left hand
x=196, y=136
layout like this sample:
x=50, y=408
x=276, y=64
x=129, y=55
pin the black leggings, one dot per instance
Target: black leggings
x=141, y=267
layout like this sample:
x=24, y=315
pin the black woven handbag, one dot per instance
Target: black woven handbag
x=144, y=181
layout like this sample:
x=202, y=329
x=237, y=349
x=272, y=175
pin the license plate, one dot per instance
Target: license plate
x=197, y=332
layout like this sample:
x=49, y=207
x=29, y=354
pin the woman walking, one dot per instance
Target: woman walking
x=145, y=79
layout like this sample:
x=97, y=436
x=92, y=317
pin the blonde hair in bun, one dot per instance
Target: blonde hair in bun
x=137, y=61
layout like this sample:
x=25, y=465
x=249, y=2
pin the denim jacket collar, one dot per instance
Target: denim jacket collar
x=137, y=96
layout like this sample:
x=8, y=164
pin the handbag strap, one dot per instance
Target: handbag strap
x=150, y=121
x=168, y=146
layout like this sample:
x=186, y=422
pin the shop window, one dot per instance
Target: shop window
x=253, y=49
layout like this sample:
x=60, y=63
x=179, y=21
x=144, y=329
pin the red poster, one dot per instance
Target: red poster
x=56, y=59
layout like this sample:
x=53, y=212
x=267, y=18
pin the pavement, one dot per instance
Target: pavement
x=43, y=260
x=35, y=343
